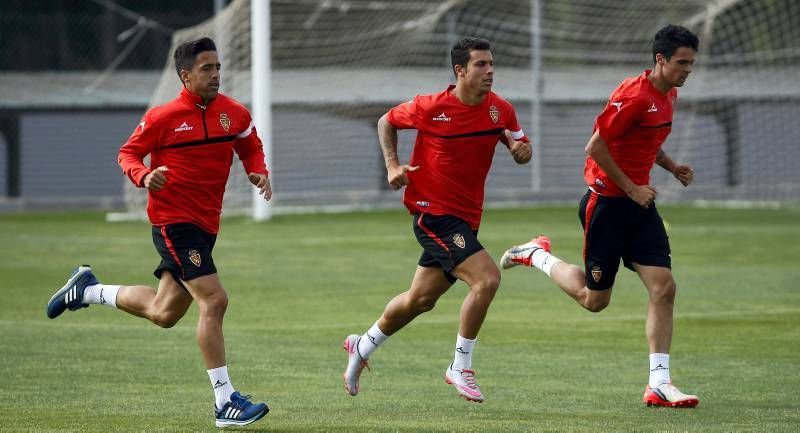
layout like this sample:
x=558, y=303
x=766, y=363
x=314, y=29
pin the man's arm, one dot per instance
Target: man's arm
x=387, y=137
x=597, y=148
x=131, y=157
x=521, y=151
x=683, y=173
x=251, y=152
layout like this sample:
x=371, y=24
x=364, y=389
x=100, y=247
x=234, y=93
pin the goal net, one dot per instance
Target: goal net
x=338, y=65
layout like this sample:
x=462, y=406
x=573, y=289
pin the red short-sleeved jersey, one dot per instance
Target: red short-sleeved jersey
x=635, y=122
x=454, y=149
x=196, y=143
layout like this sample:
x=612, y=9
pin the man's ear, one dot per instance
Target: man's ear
x=184, y=76
x=660, y=59
x=459, y=70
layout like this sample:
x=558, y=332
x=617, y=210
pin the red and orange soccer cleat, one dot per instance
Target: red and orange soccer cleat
x=521, y=255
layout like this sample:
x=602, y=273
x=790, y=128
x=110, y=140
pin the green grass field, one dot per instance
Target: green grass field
x=299, y=284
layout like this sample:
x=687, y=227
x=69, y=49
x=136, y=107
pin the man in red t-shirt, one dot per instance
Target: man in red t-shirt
x=457, y=132
x=191, y=142
x=618, y=212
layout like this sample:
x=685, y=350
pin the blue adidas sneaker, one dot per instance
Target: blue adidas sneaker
x=239, y=411
x=71, y=295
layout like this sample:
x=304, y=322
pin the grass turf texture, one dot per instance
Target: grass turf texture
x=299, y=284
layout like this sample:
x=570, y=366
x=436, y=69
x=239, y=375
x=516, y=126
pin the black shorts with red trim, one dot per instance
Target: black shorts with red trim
x=447, y=241
x=185, y=251
x=618, y=228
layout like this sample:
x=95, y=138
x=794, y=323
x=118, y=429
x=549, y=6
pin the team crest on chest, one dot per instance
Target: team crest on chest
x=494, y=114
x=194, y=256
x=459, y=240
x=224, y=121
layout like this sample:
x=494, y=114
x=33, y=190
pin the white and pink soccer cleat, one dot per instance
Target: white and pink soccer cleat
x=355, y=364
x=464, y=382
x=521, y=255
x=668, y=395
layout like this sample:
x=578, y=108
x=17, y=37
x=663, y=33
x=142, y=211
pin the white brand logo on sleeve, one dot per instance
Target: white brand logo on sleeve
x=441, y=118
x=652, y=108
x=618, y=105
x=184, y=127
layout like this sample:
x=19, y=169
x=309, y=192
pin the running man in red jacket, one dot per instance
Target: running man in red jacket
x=457, y=132
x=191, y=141
x=618, y=211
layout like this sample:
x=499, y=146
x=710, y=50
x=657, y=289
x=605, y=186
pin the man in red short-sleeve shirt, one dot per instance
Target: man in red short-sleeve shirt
x=618, y=212
x=191, y=141
x=457, y=132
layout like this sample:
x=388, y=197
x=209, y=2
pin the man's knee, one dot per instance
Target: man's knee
x=597, y=301
x=596, y=306
x=422, y=304
x=209, y=294
x=215, y=304
x=166, y=319
x=664, y=293
x=487, y=284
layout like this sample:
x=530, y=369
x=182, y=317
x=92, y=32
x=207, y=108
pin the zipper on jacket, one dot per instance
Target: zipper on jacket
x=203, y=115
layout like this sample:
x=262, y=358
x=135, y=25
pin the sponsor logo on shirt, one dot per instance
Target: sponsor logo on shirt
x=184, y=127
x=423, y=204
x=441, y=118
x=224, y=121
x=494, y=113
x=652, y=108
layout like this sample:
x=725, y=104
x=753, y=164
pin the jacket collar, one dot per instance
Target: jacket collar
x=193, y=99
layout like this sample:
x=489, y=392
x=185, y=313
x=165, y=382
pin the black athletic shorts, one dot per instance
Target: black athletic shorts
x=447, y=241
x=617, y=228
x=185, y=251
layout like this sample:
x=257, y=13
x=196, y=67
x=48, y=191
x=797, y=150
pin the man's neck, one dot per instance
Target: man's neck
x=468, y=96
x=204, y=100
x=658, y=81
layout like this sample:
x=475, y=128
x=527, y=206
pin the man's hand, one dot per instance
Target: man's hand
x=520, y=150
x=644, y=195
x=398, y=176
x=684, y=174
x=262, y=183
x=155, y=180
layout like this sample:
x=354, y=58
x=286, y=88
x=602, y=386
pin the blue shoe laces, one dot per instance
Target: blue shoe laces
x=241, y=401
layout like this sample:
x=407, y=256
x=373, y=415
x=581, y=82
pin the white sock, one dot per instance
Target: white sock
x=463, y=354
x=370, y=341
x=659, y=369
x=544, y=260
x=222, y=385
x=101, y=294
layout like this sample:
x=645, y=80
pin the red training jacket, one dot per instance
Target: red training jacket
x=634, y=123
x=196, y=144
x=454, y=150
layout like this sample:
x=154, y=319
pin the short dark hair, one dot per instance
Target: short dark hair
x=670, y=38
x=186, y=53
x=459, y=54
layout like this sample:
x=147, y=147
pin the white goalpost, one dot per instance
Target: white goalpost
x=262, y=94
